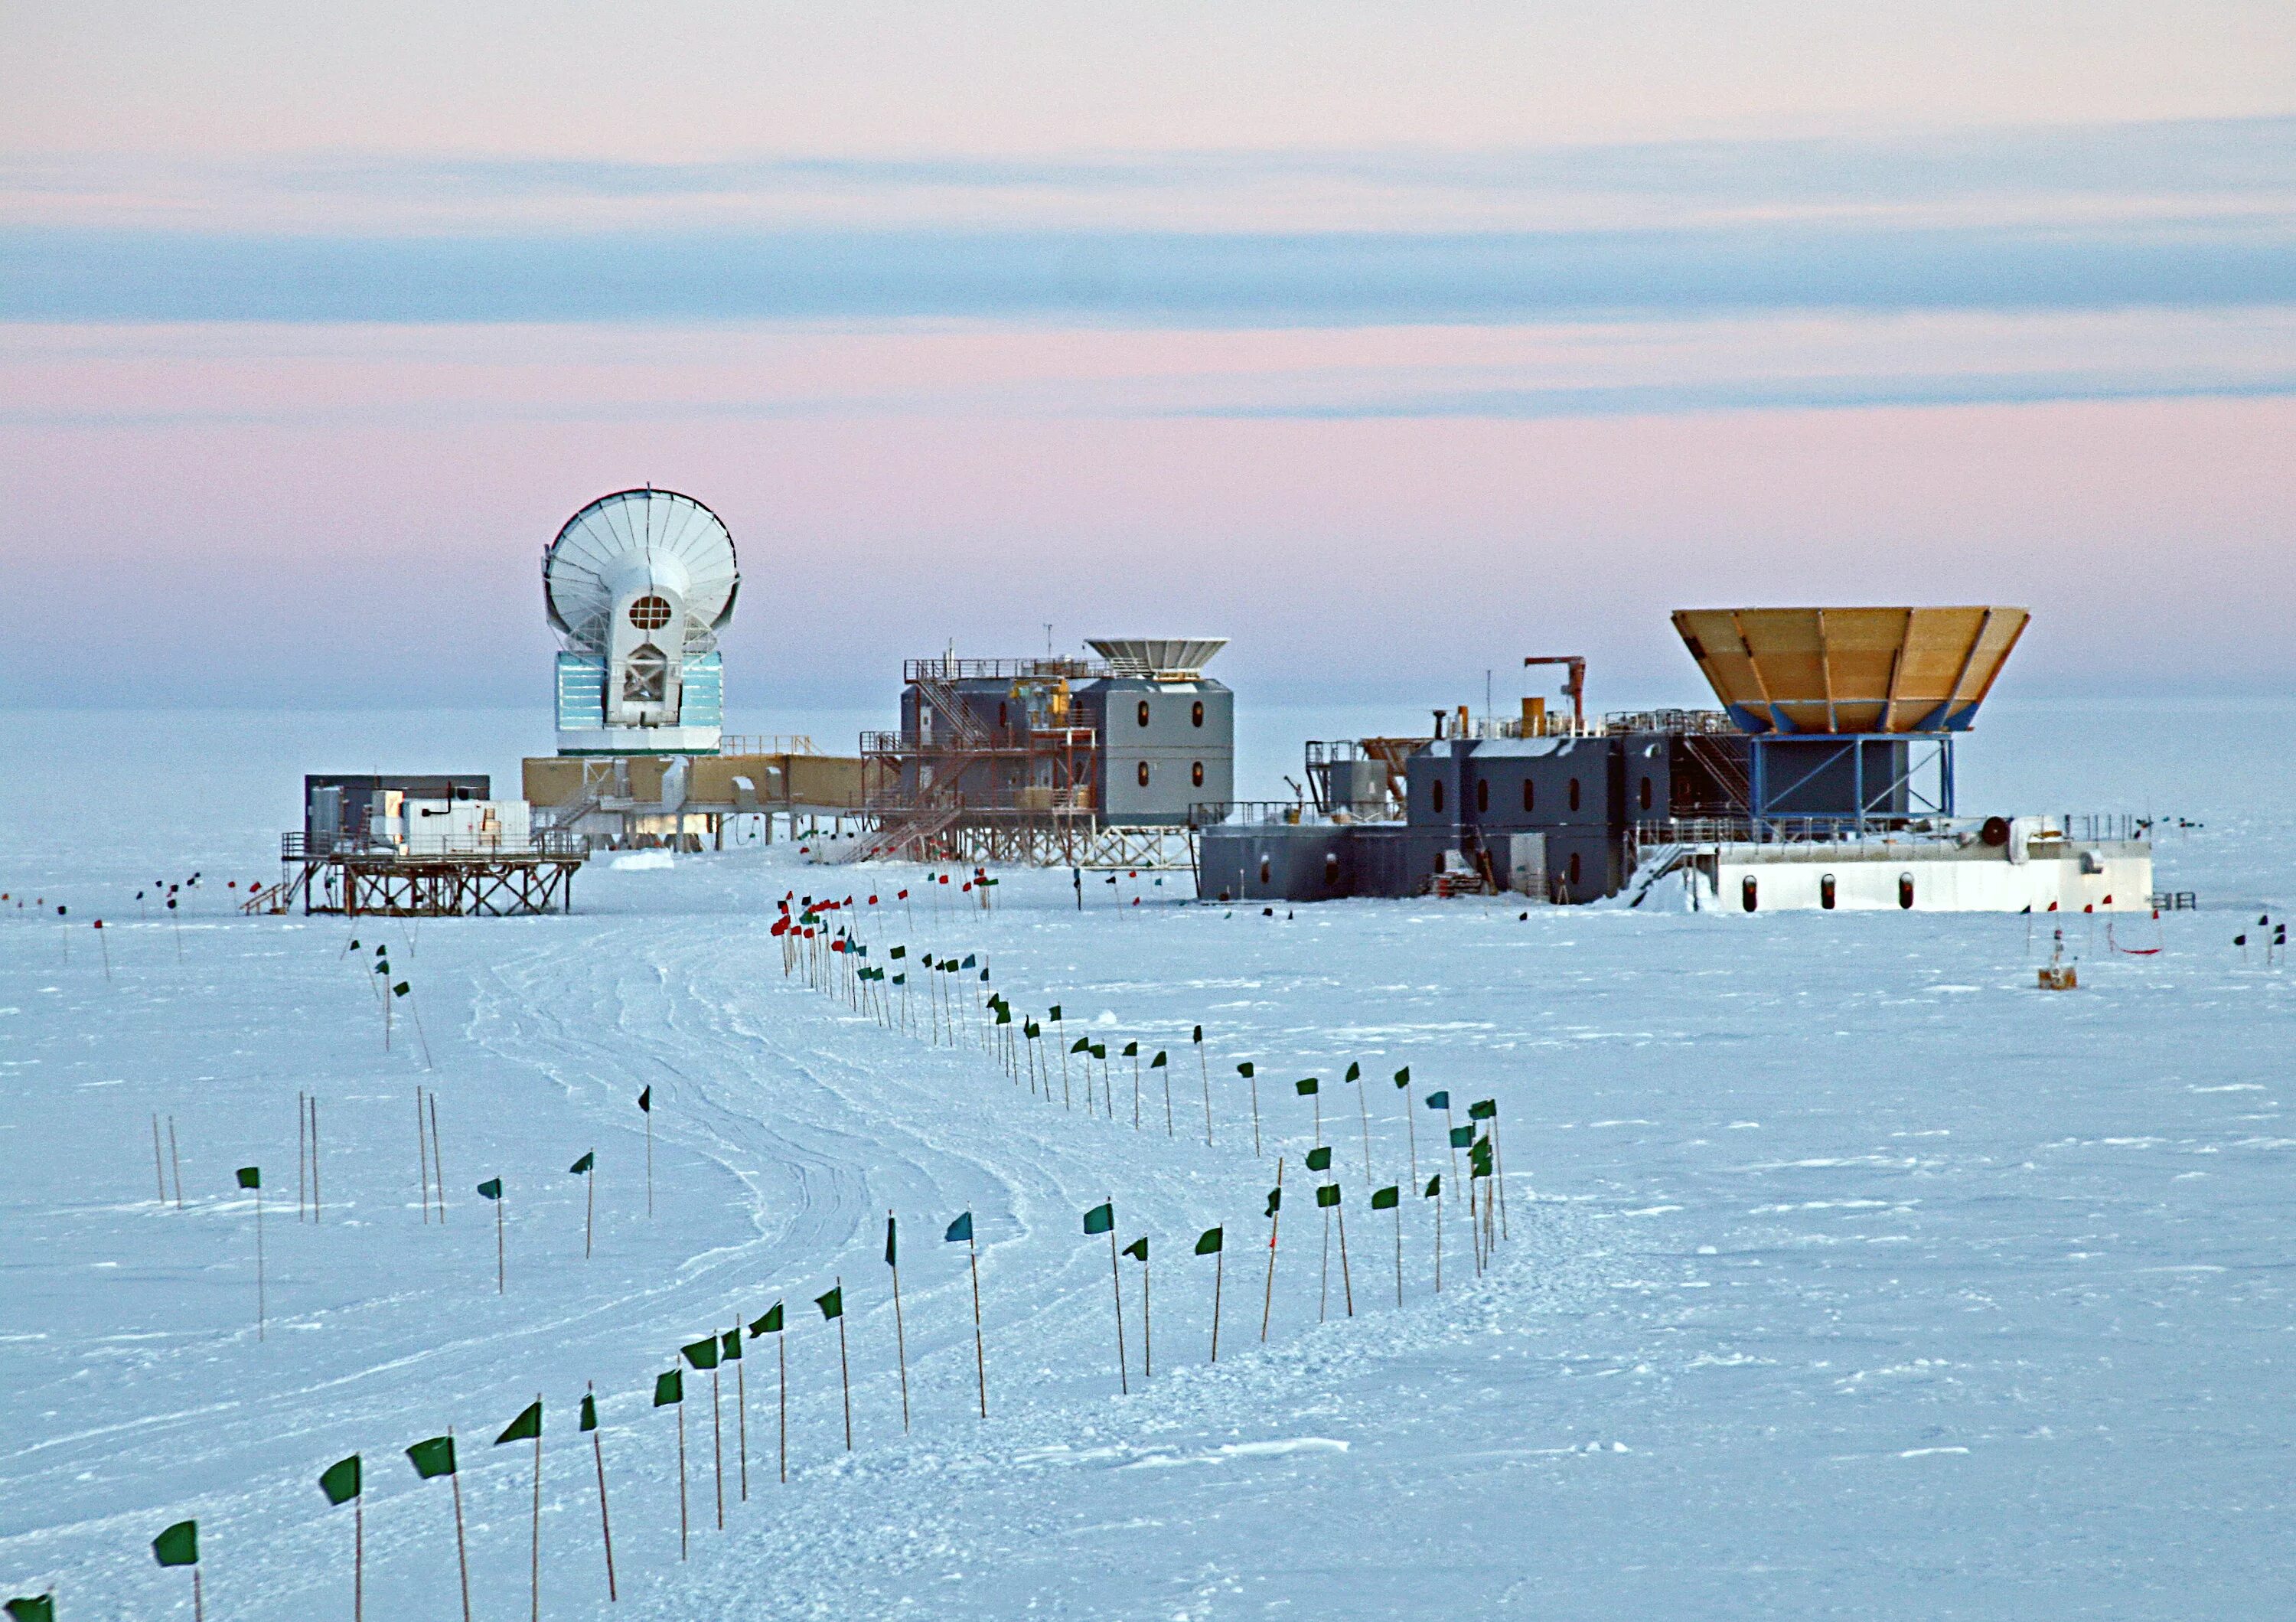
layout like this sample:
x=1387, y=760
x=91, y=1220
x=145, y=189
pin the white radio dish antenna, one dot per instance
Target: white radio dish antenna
x=633, y=545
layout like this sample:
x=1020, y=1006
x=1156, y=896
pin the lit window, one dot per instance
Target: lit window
x=1143, y=773
x=1197, y=717
x=1144, y=712
x=1196, y=774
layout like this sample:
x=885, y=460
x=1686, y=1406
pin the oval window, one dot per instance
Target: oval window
x=1748, y=896
x=1482, y=794
x=1574, y=793
x=1438, y=794
x=1574, y=870
x=1905, y=890
x=1646, y=794
x=1263, y=869
x=1528, y=798
x=1825, y=891
x=1143, y=773
x=649, y=613
x=1197, y=716
x=1002, y=719
x=1144, y=712
x=1196, y=774
x=1331, y=870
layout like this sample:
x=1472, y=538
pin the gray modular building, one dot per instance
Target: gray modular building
x=1553, y=816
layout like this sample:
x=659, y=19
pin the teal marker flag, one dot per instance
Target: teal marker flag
x=1100, y=1219
x=960, y=1231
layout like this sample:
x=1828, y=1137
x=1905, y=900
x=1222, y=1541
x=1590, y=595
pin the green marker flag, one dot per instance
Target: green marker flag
x=1484, y=1111
x=1328, y=1194
x=1199, y=1037
x=178, y=1545
x=1480, y=1158
x=401, y=989
x=703, y=1353
x=1100, y=1219
x=435, y=1457
x=900, y=979
x=1158, y=1063
x=900, y=952
x=1309, y=1087
x=1082, y=1044
x=525, y=1427
x=645, y=1100
x=1031, y=1029
x=984, y=976
x=832, y=1305
x=36, y=1608
x=1003, y=1013
x=1055, y=1015
x=892, y=1246
x=491, y=1188
x=1462, y=1136
x=589, y=1412
x=1138, y=1249
x=729, y=1346
x=1244, y=1070
x=250, y=1176
x=967, y=963
x=1211, y=1241
x=1275, y=1201
x=1439, y=1101
x=770, y=1324
x=669, y=1389
x=1403, y=1076
x=960, y=1231
x=1434, y=1187
x=1319, y=1160
x=340, y=1480
x=585, y=1164
x=1386, y=1199
x=1355, y=1071
x=1131, y=1050
x=1100, y=1051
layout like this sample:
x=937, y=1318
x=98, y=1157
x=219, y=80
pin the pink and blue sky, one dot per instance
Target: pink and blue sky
x=1390, y=341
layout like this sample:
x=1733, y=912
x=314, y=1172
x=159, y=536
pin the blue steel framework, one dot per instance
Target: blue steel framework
x=1926, y=754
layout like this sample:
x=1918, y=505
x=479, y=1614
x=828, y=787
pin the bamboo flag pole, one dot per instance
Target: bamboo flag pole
x=1159, y=1062
x=1435, y=1192
x=770, y=1324
x=528, y=1426
x=730, y=1346
x=1138, y=1249
x=833, y=1306
x=492, y=1190
x=681, y=1466
x=340, y=1481
x=1346, y=1283
x=1132, y=1052
x=1362, y=1104
x=437, y=1160
x=962, y=1229
x=422, y=1153
x=900, y=1334
x=315, y=1203
x=1101, y=1219
x=1061, y=1026
x=1390, y=1199
x=1410, y=1121
x=1215, y=1240
x=1204, y=1066
x=159, y=1167
x=462, y=1547
x=1275, y=1227
x=174, y=1163
x=598, y=1457
x=646, y=1106
x=251, y=1177
x=302, y=1158
x=718, y=1443
x=1246, y=1070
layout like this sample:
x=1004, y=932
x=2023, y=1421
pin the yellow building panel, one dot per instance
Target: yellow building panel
x=1852, y=669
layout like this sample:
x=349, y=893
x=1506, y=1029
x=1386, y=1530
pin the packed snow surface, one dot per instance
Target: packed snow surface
x=1846, y=1273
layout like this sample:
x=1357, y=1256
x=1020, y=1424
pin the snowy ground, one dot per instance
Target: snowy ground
x=1848, y=1274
